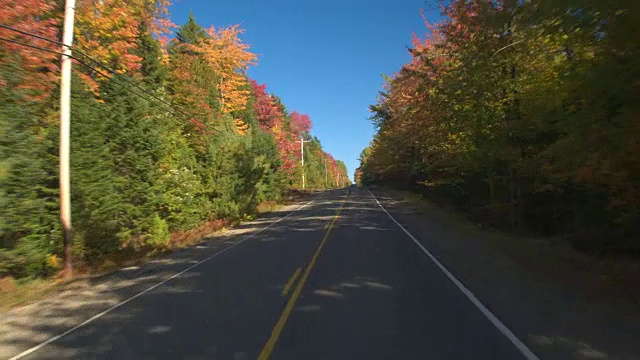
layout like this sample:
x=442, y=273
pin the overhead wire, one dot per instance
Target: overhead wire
x=169, y=107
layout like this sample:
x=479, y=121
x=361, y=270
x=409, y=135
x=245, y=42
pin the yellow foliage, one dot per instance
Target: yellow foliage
x=107, y=29
x=53, y=261
x=241, y=126
x=230, y=58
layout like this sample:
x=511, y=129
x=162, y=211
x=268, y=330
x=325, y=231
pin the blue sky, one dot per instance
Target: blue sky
x=322, y=57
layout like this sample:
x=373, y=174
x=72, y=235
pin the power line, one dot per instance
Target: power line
x=31, y=46
x=84, y=54
x=31, y=34
x=171, y=109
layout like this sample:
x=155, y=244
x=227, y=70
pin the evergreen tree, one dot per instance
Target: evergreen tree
x=28, y=219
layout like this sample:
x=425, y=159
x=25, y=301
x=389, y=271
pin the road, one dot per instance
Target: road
x=336, y=279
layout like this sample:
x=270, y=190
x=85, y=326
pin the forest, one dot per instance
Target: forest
x=523, y=115
x=168, y=133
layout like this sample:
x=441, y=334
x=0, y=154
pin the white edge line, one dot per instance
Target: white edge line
x=91, y=319
x=529, y=355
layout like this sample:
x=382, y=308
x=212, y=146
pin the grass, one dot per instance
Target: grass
x=14, y=294
x=17, y=293
x=551, y=258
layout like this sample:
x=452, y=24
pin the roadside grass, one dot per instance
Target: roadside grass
x=25, y=291
x=14, y=293
x=614, y=278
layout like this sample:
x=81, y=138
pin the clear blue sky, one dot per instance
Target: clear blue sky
x=322, y=57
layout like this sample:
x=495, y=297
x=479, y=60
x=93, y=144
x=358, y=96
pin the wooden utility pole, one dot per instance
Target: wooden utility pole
x=302, y=141
x=302, y=159
x=325, y=172
x=65, y=132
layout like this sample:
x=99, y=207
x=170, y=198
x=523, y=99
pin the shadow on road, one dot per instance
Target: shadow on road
x=28, y=326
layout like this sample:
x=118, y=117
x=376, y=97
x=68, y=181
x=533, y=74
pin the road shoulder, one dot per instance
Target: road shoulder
x=73, y=303
x=554, y=317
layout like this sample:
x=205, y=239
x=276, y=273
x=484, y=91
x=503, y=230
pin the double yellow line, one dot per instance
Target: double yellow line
x=277, y=330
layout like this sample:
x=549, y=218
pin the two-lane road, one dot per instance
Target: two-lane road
x=337, y=279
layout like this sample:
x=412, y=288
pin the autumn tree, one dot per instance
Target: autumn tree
x=520, y=114
x=166, y=137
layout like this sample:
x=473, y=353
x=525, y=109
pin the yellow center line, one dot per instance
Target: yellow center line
x=277, y=330
x=293, y=278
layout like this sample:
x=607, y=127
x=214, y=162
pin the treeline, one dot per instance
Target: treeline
x=525, y=114
x=168, y=132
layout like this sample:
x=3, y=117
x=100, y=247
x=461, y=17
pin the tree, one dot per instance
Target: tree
x=29, y=226
x=166, y=136
x=520, y=113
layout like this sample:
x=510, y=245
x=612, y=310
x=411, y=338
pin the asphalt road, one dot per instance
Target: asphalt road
x=337, y=279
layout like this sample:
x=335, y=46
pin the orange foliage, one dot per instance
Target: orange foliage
x=108, y=30
x=41, y=67
x=230, y=59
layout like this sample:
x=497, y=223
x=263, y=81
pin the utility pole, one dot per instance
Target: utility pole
x=302, y=141
x=325, y=171
x=65, y=132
